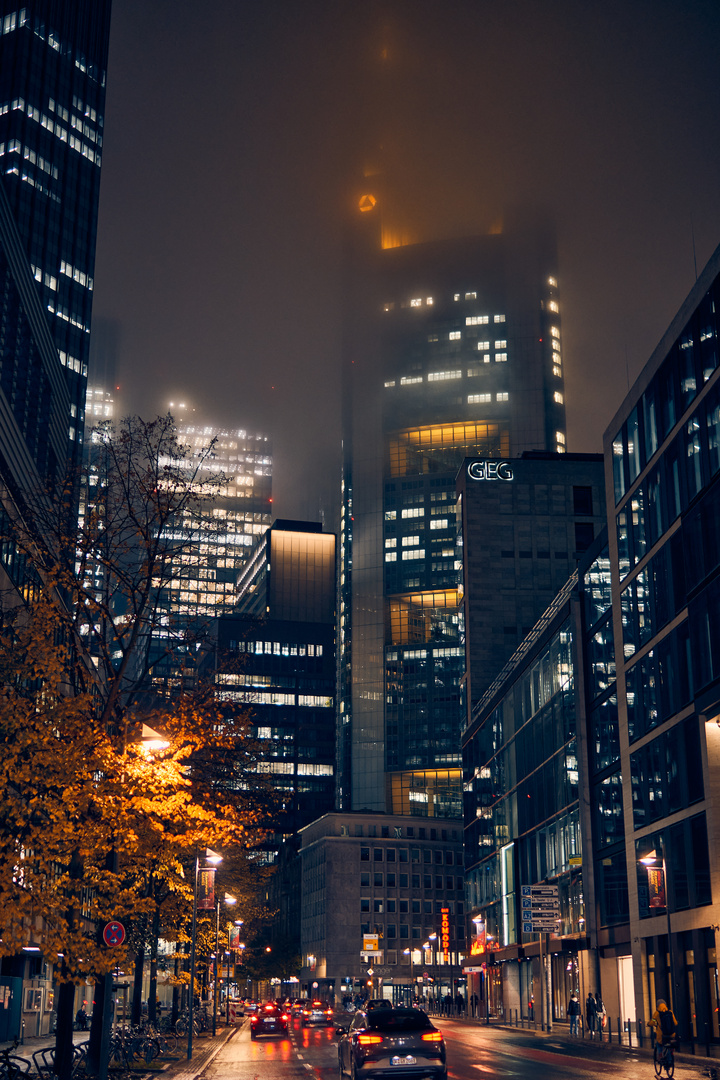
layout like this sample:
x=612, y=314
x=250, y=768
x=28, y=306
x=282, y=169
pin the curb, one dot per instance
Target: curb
x=190, y=1070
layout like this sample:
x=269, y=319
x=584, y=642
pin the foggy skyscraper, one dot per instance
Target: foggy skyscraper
x=452, y=349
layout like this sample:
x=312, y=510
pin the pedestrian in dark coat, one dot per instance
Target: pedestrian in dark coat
x=591, y=1014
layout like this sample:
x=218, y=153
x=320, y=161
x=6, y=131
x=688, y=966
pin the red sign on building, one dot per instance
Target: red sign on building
x=445, y=933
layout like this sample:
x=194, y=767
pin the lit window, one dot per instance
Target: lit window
x=479, y=399
x=439, y=523
x=554, y=332
x=477, y=320
x=456, y=297
x=557, y=371
x=391, y=556
x=414, y=553
x=501, y=344
x=429, y=300
x=555, y=345
x=471, y=296
x=560, y=437
x=500, y=357
x=416, y=302
x=501, y=397
x=552, y=306
x=455, y=335
x=390, y=515
x=432, y=337
x=437, y=376
x=498, y=318
x=552, y=283
x=410, y=380
x=557, y=397
x=410, y=541
x=390, y=382
x=413, y=512
x=391, y=542
x=483, y=346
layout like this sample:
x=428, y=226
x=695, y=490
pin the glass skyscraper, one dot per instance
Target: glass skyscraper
x=453, y=349
x=53, y=58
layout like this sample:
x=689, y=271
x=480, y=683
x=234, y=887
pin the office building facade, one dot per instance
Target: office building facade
x=53, y=60
x=209, y=560
x=453, y=349
x=525, y=523
x=383, y=907
x=662, y=460
x=276, y=655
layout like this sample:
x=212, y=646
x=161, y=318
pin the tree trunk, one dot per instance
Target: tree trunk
x=93, y=1051
x=64, y=1031
x=152, y=995
x=176, y=990
x=136, y=1014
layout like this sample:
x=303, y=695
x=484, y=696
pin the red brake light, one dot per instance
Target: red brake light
x=432, y=1036
x=285, y=1017
x=369, y=1040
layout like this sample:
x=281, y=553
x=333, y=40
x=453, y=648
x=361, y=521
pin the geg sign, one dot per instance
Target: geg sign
x=490, y=470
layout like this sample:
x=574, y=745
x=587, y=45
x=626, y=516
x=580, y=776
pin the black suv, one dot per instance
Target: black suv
x=383, y=1042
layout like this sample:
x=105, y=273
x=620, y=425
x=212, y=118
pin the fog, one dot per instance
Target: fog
x=235, y=134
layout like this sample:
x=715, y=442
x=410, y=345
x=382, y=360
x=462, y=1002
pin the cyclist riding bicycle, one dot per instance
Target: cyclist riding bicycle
x=665, y=1024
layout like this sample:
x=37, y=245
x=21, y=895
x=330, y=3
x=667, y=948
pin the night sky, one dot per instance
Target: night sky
x=235, y=134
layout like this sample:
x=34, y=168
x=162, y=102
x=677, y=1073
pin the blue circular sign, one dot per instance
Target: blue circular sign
x=114, y=933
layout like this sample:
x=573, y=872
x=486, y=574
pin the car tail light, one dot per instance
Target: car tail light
x=285, y=1016
x=253, y=1019
x=432, y=1036
x=369, y=1040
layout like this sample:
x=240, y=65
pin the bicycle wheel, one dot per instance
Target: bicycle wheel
x=669, y=1061
x=171, y=1043
x=658, y=1059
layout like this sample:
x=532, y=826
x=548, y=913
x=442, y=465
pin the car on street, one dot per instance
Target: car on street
x=388, y=1041
x=317, y=1012
x=270, y=1019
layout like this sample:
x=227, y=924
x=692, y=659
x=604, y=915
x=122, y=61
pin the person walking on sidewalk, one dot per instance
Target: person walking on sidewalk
x=591, y=1014
x=601, y=1014
x=574, y=1014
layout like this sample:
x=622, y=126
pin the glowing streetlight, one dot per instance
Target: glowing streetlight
x=213, y=859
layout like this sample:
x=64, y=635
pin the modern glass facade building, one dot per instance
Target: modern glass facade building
x=662, y=453
x=276, y=657
x=53, y=59
x=452, y=349
x=205, y=578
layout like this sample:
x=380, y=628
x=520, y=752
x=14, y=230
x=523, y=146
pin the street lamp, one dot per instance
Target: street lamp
x=653, y=860
x=409, y=953
x=149, y=742
x=238, y=922
x=229, y=900
x=213, y=858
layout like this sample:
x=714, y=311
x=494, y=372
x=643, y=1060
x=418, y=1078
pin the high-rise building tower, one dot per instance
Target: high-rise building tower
x=207, y=568
x=452, y=349
x=53, y=56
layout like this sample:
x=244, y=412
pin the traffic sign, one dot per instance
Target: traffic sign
x=114, y=933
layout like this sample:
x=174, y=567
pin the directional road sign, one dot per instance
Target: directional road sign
x=540, y=908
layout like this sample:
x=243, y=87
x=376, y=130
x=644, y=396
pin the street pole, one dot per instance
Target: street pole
x=669, y=926
x=217, y=947
x=191, y=1000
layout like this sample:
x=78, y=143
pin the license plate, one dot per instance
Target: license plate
x=407, y=1060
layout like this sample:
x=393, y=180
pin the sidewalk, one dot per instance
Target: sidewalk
x=205, y=1049
x=701, y=1066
